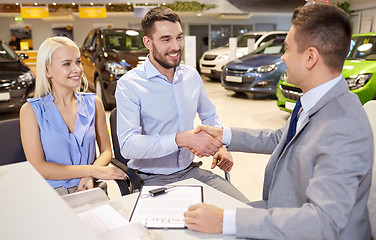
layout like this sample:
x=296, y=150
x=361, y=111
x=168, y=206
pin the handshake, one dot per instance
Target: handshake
x=204, y=141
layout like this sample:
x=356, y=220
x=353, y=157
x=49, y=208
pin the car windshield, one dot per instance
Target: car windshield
x=128, y=40
x=243, y=39
x=273, y=47
x=6, y=53
x=363, y=47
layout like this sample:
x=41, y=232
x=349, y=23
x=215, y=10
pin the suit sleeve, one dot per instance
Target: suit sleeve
x=342, y=161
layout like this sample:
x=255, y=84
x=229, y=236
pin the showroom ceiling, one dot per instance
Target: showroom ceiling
x=267, y=5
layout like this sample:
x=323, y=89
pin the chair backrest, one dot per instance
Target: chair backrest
x=114, y=137
x=370, y=108
x=11, y=150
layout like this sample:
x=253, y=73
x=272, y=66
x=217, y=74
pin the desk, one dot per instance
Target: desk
x=125, y=204
x=31, y=209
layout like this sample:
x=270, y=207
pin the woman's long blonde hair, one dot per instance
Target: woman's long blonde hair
x=46, y=49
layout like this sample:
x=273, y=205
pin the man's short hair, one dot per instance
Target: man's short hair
x=325, y=27
x=158, y=14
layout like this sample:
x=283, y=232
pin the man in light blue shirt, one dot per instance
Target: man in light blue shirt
x=317, y=183
x=157, y=103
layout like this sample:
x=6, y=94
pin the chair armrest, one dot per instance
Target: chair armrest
x=135, y=180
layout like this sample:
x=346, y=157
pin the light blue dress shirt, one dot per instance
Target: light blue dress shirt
x=308, y=100
x=151, y=110
x=59, y=145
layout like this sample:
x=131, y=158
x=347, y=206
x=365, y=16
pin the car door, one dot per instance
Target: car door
x=88, y=58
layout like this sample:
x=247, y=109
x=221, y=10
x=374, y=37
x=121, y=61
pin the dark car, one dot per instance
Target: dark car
x=16, y=80
x=257, y=72
x=107, y=54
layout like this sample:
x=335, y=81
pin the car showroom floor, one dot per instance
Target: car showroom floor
x=239, y=111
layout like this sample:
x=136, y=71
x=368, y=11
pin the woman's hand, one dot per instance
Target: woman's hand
x=109, y=173
x=85, y=184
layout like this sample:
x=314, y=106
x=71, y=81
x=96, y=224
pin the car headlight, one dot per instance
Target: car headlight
x=224, y=57
x=284, y=76
x=26, y=77
x=266, y=68
x=116, y=68
x=358, y=81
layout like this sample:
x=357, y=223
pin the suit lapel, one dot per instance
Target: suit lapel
x=340, y=88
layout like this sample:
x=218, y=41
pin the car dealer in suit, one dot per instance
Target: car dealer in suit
x=317, y=184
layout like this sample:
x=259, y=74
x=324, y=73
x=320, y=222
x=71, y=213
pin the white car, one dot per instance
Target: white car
x=213, y=60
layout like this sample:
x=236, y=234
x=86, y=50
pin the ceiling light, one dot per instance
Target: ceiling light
x=36, y=4
x=17, y=3
x=91, y=3
x=54, y=3
x=146, y=3
x=73, y=3
x=128, y=3
x=110, y=3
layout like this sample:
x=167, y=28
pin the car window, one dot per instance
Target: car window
x=273, y=47
x=89, y=39
x=243, y=39
x=6, y=53
x=363, y=47
x=128, y=40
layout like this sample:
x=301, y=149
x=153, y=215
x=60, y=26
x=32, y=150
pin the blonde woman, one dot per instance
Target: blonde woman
x=59, y=127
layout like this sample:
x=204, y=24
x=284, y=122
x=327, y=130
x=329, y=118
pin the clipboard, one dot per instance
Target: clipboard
x=165, y=211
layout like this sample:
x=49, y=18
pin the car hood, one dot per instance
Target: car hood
x=221, y=50
x=254, y=60
x=12, y=69
x=354, y=67
x=127, y=58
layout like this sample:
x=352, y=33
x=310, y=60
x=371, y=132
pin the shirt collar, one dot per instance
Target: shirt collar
x=151, y=71
x=310, y=98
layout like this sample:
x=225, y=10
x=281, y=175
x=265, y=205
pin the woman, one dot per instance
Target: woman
x=60, y=125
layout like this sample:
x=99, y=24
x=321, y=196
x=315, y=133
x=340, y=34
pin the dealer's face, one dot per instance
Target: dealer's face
x=293, y=59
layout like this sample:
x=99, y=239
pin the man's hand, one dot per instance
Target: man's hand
x=223, y=160
x=202, y=143
x=216, y=133
x=204, y=218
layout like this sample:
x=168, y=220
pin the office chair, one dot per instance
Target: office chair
x=11, y=150
x=370, y=108
x=133, y=183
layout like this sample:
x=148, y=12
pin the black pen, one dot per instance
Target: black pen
x=159, y=191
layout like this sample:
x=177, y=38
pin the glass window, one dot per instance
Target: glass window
x=6, y=53
x=273, y=47
x=123, y=40
x=219, y=35
x=363, y=48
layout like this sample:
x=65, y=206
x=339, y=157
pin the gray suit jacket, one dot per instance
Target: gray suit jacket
x=318, y=186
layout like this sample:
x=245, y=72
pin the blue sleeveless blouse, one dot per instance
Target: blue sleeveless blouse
x=59, y=145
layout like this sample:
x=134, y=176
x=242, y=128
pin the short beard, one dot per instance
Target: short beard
x=166, y=64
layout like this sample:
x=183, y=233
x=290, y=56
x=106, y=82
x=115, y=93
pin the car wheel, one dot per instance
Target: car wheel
x=99, y=93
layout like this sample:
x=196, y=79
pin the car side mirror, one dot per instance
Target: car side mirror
x=23, y=56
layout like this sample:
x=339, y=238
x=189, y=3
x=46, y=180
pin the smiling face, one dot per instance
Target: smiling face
x=294, y=59
x=65, y=70
x=165, y=45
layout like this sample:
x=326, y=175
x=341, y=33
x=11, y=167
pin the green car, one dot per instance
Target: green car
x=359, y=71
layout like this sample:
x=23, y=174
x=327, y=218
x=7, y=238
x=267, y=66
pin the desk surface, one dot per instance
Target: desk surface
x=31, y=209
x=125, y=205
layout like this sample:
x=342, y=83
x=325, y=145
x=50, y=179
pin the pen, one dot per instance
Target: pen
x=159, y=191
